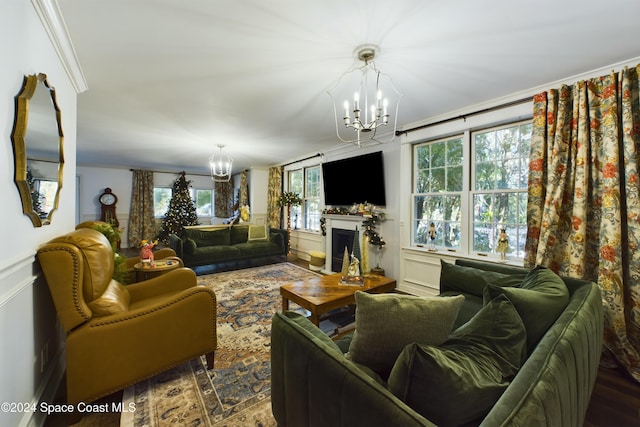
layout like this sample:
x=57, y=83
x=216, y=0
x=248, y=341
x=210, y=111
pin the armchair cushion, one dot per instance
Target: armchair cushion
x=114, y=300
x=386, y=323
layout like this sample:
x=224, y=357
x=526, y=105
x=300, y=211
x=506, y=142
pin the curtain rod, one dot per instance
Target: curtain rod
x=175, y=173
x=302, y=160
x=464, y=116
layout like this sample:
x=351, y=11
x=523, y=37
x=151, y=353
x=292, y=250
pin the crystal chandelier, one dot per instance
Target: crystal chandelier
x=220, y=164
x=375, y=97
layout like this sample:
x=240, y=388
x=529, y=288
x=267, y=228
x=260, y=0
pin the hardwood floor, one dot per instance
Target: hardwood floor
x=615, y=401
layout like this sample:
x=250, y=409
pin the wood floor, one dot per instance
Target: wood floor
x=615, y=401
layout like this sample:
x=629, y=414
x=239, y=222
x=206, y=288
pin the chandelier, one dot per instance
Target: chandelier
x=372, y=116
x=220, y=164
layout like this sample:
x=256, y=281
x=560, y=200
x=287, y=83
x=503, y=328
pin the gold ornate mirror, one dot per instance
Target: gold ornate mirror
x=38, y=149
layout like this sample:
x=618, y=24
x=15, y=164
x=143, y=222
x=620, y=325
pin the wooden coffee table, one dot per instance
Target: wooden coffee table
x=323, y=294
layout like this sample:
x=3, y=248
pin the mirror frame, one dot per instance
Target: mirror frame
x=18, y=138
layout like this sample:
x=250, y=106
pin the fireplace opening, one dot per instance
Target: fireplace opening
x=339, y=239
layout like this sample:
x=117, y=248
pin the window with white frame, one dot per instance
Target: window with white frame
x=470, y=187
x=306, y=182
x=203, y=199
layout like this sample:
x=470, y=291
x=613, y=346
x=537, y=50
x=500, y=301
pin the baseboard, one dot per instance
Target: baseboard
x=46, y=391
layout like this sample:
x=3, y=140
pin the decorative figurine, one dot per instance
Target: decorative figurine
x=354, y=267
x=432, y=237
x=503, y=244
x=146, y=252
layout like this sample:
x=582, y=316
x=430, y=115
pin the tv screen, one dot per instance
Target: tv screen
x=354, y=180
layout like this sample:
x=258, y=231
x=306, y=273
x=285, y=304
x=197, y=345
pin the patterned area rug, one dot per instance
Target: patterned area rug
x=237, y=392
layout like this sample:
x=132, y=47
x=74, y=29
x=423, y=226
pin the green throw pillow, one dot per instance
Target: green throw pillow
x=258, y=232
x=540, y=299
x=460, y=381
x=386, y=323
x=471, y=280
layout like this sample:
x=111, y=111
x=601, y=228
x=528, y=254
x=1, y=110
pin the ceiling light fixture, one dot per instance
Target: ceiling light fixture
x=220, y=164
x=374, y=99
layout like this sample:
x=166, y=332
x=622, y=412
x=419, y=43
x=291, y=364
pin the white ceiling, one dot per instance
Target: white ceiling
x=169, y=80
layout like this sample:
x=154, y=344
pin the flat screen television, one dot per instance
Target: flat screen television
x=353, y=180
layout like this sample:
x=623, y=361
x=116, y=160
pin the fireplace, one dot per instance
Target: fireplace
x=339, y=239
x=341, y=230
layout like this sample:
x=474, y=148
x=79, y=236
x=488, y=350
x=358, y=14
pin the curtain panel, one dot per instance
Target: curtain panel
x=583, y=212
x=223, y=203
x=142, y=222
x=274, y=190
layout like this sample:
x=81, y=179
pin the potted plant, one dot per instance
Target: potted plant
x=288, y=199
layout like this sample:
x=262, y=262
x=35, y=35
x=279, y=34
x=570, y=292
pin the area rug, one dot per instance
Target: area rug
x=236, y=393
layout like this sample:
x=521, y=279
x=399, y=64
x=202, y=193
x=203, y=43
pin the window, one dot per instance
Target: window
x=161, y=199
x=204, y=201
x=306, y=182
x=202, y=197
x=470, y=187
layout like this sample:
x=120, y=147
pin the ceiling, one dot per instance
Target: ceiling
x=169, y=80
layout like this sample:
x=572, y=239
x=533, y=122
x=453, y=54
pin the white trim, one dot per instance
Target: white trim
x=11, y=268
x=53, y=22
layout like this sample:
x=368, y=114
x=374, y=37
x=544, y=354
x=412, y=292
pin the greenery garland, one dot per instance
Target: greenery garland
x=289, y=198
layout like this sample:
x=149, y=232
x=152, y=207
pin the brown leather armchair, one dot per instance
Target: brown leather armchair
x=118, y=335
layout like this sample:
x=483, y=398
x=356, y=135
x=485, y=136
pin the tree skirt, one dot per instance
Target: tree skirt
x=237, y=391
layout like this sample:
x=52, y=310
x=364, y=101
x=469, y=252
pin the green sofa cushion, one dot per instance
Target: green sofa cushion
x=471, y=280
x=210, y=237
x=386, y=323
x=459, y=381
x=190, y=246
x=540, y=299
x=239, y=234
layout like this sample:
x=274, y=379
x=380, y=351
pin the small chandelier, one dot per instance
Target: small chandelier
x=375, y=97
x=220, y=164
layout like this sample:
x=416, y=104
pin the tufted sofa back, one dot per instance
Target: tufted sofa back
x=78, y=267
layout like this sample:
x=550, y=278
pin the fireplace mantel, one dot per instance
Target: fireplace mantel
x=346, y=222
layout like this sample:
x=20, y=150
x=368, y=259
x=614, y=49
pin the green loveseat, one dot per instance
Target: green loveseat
x=314, y=384
x=229, y=244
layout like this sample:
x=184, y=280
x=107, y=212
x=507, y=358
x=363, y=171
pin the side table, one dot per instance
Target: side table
x=146, y=272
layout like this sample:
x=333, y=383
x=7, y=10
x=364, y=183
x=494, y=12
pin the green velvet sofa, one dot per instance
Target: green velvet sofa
x=314, y=384
x=231, y=244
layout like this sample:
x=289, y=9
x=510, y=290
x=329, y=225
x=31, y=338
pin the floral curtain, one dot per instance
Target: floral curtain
x=583, y=213
x=274, y=189
x=244, y=189
x=223, y=203
x=142, y=223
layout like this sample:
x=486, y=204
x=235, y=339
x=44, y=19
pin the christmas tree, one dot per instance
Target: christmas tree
x=181, y=212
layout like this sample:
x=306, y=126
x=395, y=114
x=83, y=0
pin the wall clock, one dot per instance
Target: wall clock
x=108, y=202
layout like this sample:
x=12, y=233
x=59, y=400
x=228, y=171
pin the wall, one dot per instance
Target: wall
x=28, y=328
x=93, y=180
x=303, y=242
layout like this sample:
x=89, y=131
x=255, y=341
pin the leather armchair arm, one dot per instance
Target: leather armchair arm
x=111, y=352
x=173, y=281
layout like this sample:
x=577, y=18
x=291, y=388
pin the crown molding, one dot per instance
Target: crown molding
x=51, y=17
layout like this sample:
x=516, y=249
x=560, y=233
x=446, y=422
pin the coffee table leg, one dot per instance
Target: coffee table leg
x=285, y=304
x=315, y=319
